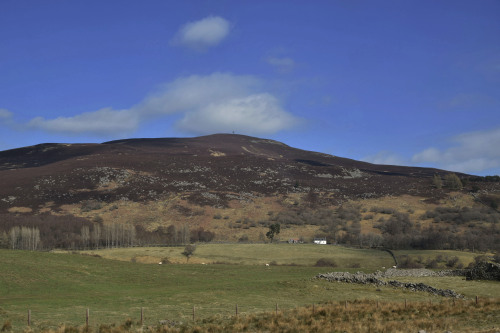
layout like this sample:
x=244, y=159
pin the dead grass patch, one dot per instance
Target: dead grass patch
x=20, y=210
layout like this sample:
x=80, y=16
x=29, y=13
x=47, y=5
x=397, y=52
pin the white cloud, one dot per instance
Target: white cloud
x=202, y=34
x=219, y=102
x=254, y=114
x=195, y=91
x=473, y=152
x=385, y=157
x=428, y=155
x=5, y=114
x=282, y=65
x=101, y=122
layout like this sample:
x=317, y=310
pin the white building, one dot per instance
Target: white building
x=321, y=241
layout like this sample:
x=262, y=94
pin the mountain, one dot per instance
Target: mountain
x=228, y=165
x=209, y=181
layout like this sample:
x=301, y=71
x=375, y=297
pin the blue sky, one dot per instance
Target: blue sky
x=392, y=82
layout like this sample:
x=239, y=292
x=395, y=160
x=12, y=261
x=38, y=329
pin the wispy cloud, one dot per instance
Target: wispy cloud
x=385, y=157
x=472, y=152
x=202, y=34
x=220, y=102
x=5, y=114
x=281, y=64
x=467, y=101
x=101, y=122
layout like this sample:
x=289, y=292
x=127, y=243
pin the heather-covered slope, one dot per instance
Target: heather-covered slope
x=226, y=166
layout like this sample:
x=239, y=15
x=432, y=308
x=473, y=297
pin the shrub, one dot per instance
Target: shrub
x=98, y=219
x=89, y=205
x=496, y=258
x=481, y=258
x=408, y=262
x=452, y=262
x=453, y=182
x=382, y=210
x=325, y=262
x=201, y=235
x=431, y=263
x=437, y=182
x=165, y=261
x=7, y=326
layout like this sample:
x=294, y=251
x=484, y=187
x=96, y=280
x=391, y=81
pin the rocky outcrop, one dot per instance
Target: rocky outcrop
x=484, y=271
x=375, y=279
x=420, y=272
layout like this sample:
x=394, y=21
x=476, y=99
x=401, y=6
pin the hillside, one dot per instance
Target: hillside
x=232, y=185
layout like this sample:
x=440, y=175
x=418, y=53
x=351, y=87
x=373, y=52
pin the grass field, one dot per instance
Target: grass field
x=58, y=288
x=465, y=257
x=255, y=254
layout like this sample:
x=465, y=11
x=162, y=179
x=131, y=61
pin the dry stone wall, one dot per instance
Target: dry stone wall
x=484, y=271
x=376, y=279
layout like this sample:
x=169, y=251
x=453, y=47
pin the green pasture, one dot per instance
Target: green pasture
x=58, y=287
x=257, y=254
x=465, y=257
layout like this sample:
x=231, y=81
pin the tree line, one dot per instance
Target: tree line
x=45, y=232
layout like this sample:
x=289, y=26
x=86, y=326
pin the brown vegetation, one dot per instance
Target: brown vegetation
x=357, y=316
x=173, y=191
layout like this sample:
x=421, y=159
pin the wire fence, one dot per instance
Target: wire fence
x=178, y=315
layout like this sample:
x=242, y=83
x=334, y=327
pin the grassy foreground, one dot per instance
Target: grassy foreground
x=58, y=288
x=359, y=316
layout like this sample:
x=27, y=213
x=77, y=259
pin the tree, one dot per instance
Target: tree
x=4, y=240
x=85, y=234
x=189, y=251
x=438, y=183
x=453, y=182
x=96, y=235
x=274, y=229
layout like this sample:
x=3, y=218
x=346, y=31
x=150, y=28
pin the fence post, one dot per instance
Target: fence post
x=29, y=317
x=377, y=304
x=405, y=303
x=193, y=314
x=346, y=304
x=87, y=318
x=142, y=316
x=236, y=308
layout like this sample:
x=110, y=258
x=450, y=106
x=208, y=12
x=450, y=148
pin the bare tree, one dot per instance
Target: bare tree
x=96, y=235
x=14, y=235
x=185, y=234
x=85, y=234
